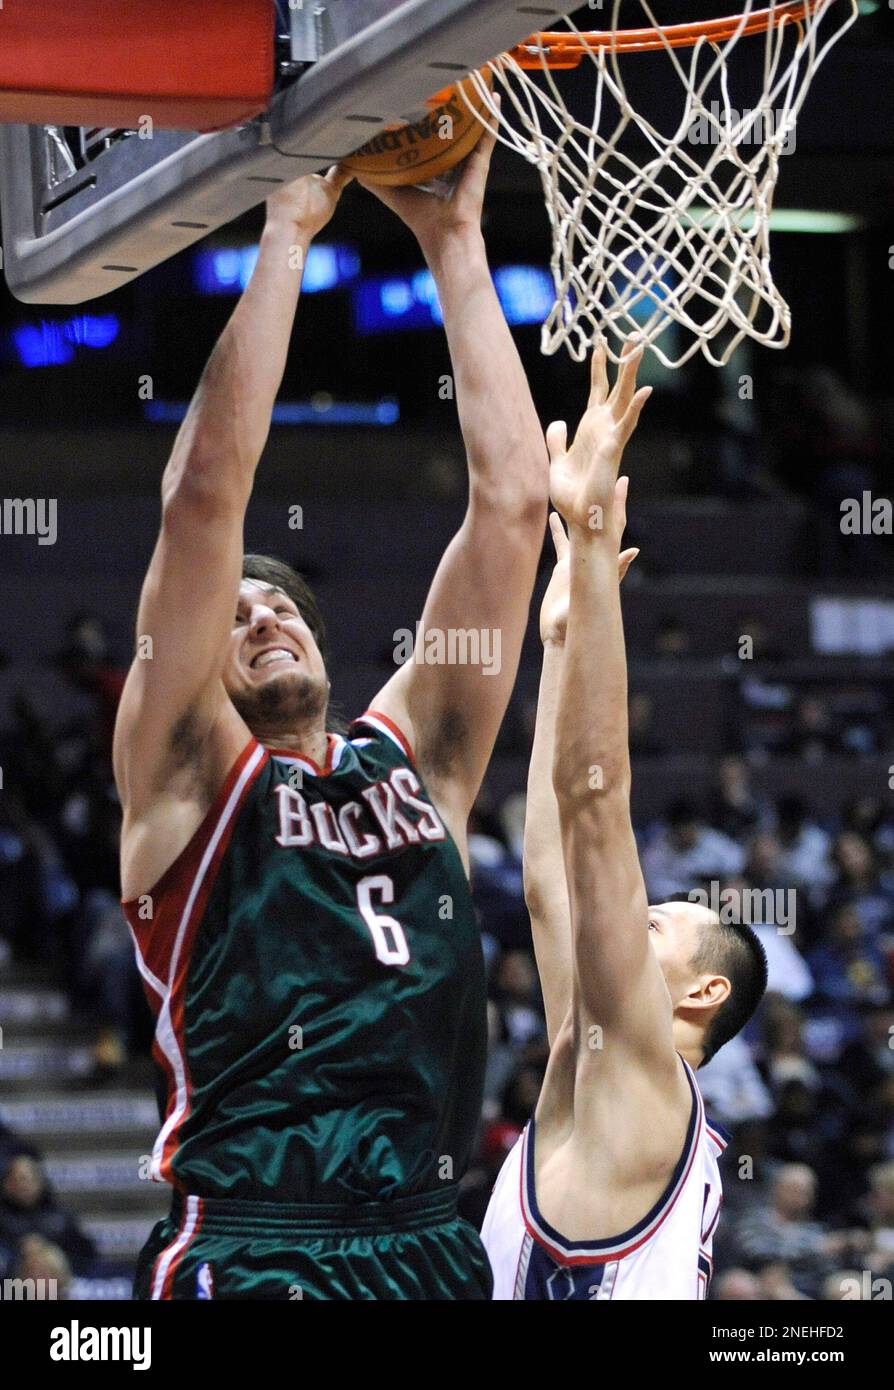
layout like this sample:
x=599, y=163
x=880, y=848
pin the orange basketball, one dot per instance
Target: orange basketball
x=407, y=154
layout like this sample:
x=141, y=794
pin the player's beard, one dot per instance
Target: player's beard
x=284, y=705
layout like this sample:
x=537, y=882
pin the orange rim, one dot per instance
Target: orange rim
x=561, y=50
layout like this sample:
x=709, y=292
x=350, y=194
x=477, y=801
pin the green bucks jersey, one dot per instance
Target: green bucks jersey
x=315, y=970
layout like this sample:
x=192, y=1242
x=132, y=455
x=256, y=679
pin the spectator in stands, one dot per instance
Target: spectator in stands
x=784, y=1052
x=685, y=852
x=734, y=807
x=517, y=997
x=870, y=818
x=776, y=1284
x=22, y=922
x=108, y=985
x=880, y=1209
x=672, y=639
x=497, y=888
x=732, y=1086
x=735, y=1286
x=869, y=1058
x=763, y=868
x=804, y=849
x=861, y=883
x=783, y=1230
x=814, y=734
x=642, y=738
x=809, y=1123
x=45, y=1263
x=86, y=660
x=28, y=1208
x=848, y=968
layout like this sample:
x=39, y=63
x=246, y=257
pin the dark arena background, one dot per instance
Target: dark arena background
x=760, y=628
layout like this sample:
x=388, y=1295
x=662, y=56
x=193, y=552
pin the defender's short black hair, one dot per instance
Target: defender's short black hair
x=266, y=569
x=732, y=949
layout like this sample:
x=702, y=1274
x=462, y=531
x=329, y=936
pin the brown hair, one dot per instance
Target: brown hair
x=266, y=569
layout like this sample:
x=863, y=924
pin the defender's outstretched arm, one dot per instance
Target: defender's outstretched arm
x=546, y=893
x=483, y=585
x=618, y=983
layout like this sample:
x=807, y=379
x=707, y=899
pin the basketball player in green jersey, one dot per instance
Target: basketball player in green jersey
x=298, y=899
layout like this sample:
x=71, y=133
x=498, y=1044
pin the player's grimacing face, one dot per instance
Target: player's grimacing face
x=269, y=642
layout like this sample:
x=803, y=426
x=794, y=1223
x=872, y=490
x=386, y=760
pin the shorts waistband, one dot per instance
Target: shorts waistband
x=232, y=1216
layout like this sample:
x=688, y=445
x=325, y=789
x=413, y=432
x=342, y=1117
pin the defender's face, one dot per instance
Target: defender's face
x=270, y=644
x=675, y=931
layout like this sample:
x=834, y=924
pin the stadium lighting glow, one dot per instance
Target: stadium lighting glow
x=525, y=292
x=52, y=343
x=228, y=269
x=808, y=220
x=391, y=302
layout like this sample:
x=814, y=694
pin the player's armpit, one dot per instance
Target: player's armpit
x=174, y=695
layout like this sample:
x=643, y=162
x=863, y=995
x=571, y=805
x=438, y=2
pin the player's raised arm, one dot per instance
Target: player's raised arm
x=618, y=984
x=546, y=894
x=483, y=586
x=174, y=693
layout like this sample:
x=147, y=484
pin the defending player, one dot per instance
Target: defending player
x=299, y=900
x=613, y=1191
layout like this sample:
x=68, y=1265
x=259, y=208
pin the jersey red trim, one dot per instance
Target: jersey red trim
x=296, y=756
x=165, y=942
x=192, y=850
x=371, y=715
x=188, y=1228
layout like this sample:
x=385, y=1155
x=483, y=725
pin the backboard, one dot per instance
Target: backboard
x=85, y=211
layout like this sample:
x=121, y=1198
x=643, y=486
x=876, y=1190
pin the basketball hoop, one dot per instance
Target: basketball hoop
x=660, y=227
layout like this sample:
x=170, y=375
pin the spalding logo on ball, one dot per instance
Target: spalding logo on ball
x=427, y=148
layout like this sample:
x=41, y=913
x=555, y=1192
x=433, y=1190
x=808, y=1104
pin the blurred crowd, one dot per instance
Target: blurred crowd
x=807, y=1091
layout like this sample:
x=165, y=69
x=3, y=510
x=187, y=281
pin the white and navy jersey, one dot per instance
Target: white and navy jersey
x=666, y=1255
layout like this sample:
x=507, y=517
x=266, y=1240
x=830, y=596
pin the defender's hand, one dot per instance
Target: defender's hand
x=554, y=608
x=582, y=479
x=310, y=201
x=431, y=217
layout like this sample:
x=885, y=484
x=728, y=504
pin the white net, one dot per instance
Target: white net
x=655, y=228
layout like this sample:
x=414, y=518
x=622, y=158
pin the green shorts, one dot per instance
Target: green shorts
x=410, y=1248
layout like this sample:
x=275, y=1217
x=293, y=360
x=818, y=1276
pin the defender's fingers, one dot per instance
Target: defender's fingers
x=625, y=560
x=625, y=383
x=557, y=440
x=622, y=487
x=559, y=535
x=598, y=375
x=631, y=416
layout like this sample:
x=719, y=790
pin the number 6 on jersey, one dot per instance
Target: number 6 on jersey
x=387, y=933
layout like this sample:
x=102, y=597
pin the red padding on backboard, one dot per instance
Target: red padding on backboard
x=189, y=64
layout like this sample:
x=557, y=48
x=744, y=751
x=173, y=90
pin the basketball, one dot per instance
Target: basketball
x=414, y=153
